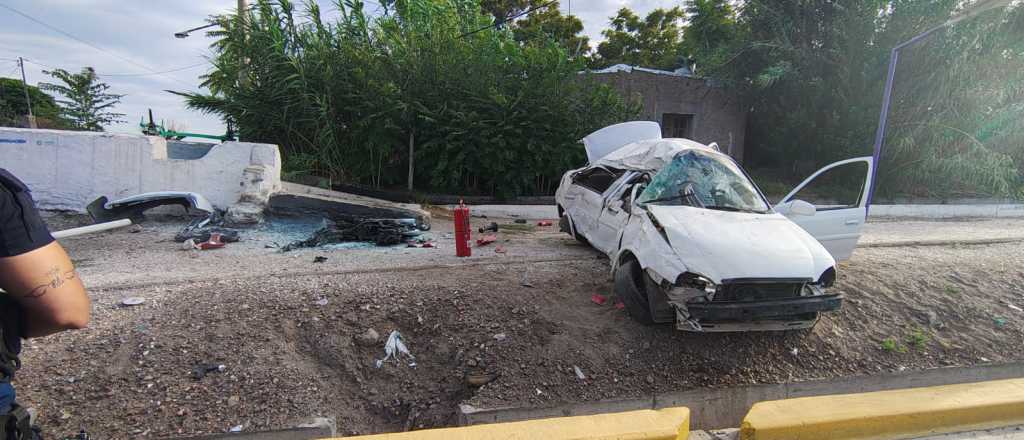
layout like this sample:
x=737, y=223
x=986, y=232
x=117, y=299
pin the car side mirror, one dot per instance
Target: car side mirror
x=800, y=207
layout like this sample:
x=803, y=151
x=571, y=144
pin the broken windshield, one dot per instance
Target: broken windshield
x=703, y=180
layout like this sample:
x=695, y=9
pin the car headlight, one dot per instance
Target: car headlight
x=695, y=281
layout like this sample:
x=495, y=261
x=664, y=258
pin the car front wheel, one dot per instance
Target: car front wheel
x=630, y=289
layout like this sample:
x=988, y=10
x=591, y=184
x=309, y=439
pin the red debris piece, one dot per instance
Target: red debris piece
x=544, y=223
x=599, y=299
x=213, y=243
x=619, y=305
x=486, y=240
x=499, y=250
x=428, y=244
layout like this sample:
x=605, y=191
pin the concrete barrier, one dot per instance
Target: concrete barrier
x=68, y=169
x=895, y=414
x=715, y=408
x=664, y=424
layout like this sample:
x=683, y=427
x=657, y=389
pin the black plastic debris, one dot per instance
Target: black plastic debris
x=200, y=371
x=319, y=259
x=382, y=232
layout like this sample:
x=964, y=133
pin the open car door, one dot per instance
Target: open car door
x=831, y=205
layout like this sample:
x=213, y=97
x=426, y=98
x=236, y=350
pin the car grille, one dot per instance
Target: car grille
x=758, y=291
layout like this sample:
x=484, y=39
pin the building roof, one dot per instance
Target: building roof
x=682, y=71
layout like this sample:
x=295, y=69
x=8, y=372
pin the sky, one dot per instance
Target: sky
x=134, y=43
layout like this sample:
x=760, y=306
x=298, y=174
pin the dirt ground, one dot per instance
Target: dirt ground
x=292, y=334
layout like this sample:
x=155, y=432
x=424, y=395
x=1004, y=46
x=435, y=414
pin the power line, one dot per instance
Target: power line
x=69, y=35
x=155, y=73
x=507, y=20
x=178, y=69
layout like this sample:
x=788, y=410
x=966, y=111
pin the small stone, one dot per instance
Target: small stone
x=471, y=362
x=650, y=379
x=369, y=337
x=234, y=400
x=500, y=337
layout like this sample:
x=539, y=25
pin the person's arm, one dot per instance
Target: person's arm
x=35, y=271
x=45, y=284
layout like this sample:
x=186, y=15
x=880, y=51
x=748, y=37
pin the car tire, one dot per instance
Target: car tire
x=630, y=290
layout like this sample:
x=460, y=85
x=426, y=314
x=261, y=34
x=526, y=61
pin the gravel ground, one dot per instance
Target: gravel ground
x=293, y=336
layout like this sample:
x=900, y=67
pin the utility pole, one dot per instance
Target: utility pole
x=28, y=100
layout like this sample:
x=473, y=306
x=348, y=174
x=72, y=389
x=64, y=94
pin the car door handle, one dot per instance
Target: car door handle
x=852, y=222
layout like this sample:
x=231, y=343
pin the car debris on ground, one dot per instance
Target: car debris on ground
x=382, y=232
x=395, y=348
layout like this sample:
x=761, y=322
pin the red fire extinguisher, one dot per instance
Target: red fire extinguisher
x=462, y=230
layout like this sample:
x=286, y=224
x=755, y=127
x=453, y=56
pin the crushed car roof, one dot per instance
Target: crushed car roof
x=650, y=154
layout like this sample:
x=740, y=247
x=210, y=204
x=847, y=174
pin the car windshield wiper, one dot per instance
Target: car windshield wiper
x=735, y=209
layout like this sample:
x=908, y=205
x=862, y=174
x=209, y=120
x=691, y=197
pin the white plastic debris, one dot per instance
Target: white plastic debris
x=236, y=428
x=132, y=301
x=579, y=373
x=500, y=337
x=1013, y=307
x=322, y=302
x=395, y=348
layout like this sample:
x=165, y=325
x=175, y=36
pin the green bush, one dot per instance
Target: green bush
x=484, y=113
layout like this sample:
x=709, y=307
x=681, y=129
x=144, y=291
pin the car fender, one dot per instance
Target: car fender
x=641, y=240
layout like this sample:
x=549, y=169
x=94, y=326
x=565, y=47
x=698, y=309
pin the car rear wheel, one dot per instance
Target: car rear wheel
x=630, y=289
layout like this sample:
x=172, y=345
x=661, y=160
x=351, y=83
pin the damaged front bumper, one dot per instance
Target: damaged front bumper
x=747, y=304
x=776, y=314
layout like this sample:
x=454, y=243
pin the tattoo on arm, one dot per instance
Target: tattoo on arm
x=55, y=278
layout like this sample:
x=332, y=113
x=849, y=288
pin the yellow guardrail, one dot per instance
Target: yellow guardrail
x=896, y=414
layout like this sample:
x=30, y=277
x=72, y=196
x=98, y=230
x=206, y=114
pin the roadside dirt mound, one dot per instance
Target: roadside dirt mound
x=295, y=347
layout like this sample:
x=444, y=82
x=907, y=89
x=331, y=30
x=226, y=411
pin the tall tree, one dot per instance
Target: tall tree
x=86, y=103
x=13, y=106
x=549, y=24
x=652, y=41
x=503, y=10
x=711, y=31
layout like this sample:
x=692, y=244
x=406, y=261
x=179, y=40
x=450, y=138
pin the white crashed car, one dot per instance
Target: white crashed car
x=692, y=240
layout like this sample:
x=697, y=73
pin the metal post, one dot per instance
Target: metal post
x=28, y=99
x=412, y=156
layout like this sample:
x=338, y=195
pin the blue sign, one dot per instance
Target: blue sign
x=11, y=141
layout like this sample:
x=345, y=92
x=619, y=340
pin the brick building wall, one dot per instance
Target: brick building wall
x=685, y=107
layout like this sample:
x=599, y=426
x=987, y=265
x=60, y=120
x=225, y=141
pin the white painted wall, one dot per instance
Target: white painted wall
x=69, y=169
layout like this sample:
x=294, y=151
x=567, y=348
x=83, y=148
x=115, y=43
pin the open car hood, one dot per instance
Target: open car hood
x=608, y=139
x=724, y=245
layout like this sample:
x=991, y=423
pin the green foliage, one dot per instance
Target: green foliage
x=548, y=24
x=918, y=338
x=13, y=106
x=86, y=104
x=652, y=41
x=813, y=72
x=711, y=31
x=484, y=113
x=892, y=345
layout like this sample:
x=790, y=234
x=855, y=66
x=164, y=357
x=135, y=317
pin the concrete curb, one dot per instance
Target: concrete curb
x=663, y=424
x=904, y=243
x=889, y=414
x=714, y=408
